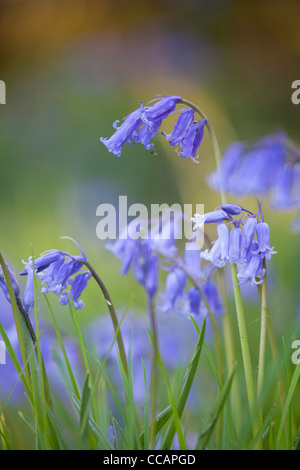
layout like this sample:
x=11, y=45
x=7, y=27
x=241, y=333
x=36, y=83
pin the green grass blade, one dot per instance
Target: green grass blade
x=287, y=404
x=205, y=436
x=187, y=383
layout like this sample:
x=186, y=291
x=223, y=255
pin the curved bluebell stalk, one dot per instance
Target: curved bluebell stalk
x=112, y=313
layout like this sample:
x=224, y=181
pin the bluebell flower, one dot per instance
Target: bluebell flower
x=195, y=301
x=164, y=106
x=223, y=235
x=123, y=133
x=145, y=267
x=144, y=123
x=56, y=269
x=190, y=143
x=213, y=298
x=239, y=246
x=182, y=126
x=232, y=209
x=214, y=254
x=250, y=168
x=248, y=232
x=175, y=284
x=253, y=268
x=210, y=217
x=138, y=255
x=28, y=297
x=235, y=245
x=141, y=125
x=263, y=241
x=14, y=282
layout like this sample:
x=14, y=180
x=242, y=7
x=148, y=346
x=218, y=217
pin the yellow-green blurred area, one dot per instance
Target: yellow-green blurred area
x=72, y=68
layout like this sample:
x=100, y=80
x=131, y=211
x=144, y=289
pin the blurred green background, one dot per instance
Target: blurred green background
x=72, y=68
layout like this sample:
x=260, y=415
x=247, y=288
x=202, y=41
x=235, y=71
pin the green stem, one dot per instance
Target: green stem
x=262, y=344
x=245, y=350
x=21, y=339
x=236, y=288
x=112, y=312
x=229, y=351
x=154, y=377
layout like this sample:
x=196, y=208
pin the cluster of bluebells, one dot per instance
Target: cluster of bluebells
x=142, y=254
x=187, y=285
x=144, y=123
x=60, y=273
x=186, y=281
x=244, y=241
x=269, y=167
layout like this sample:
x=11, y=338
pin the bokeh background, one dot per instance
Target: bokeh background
x=72, y=68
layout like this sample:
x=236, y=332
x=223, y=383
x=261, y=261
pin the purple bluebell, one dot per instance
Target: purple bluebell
x=14, y=282
x=248, y=233
x=190, y=143
x=182, y=126
x=144, y=123
x=286, y=194
x=28, y=297
x=141, y=125
x=253, y=268
x=195, y=301
x=235, y=245
x=56, y=269
x=247, y=244
x=138, y=255
x=175, y=284
x=123, y=133
x=145, y=267
x=263, y=240
x=164, y=106
x=213, y=255
x=145, y=134
x=232, y=209
x=251, y=168
x=210, y=217
x=223, y=235
x=213, y=298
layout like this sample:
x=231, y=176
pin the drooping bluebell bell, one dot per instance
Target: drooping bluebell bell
x=138, y=255
x=175, y=284
x=123, y=133
x=141, y=125
x=253, y=267
x=144, y=123
x=58, y=271
x=187, y=134
x=182, y=126
x=14, y=282
x=248, y=232
x=268, y=167
x=191, y=141
x=210, y=217
x=213, y=298
x=251, y=168
x=263, y=241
